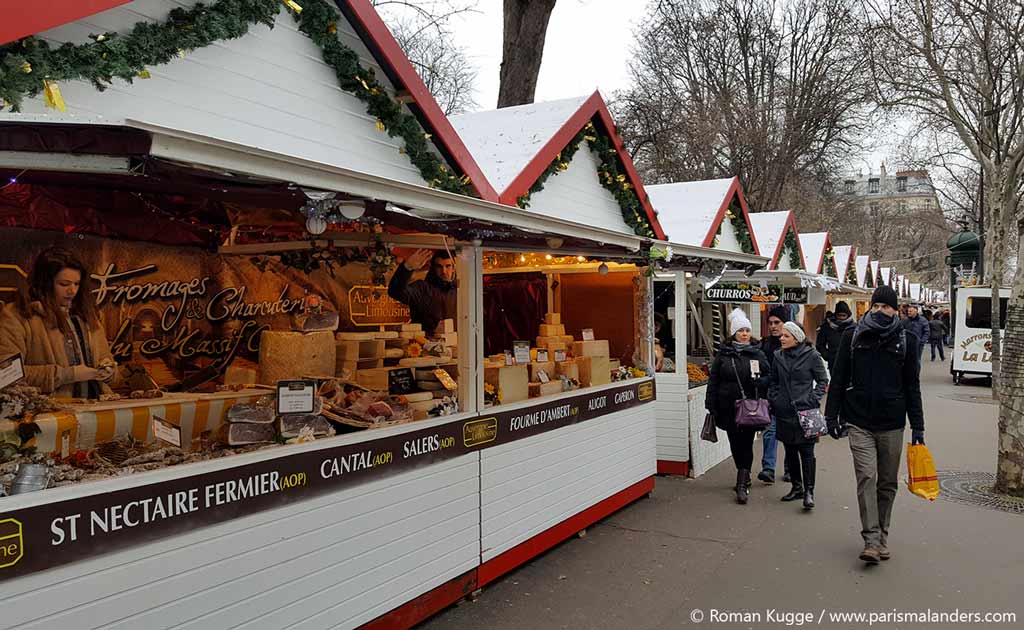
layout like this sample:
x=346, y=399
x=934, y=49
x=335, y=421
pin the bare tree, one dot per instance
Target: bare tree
x=422, y=29
x=962, y=62
x=526, y=26
x=778, y=95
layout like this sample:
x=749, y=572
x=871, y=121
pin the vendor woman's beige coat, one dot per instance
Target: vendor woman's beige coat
x=42, y=349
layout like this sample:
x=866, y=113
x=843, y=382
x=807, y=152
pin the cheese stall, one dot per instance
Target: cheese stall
x=308, y=415
x=711, y=214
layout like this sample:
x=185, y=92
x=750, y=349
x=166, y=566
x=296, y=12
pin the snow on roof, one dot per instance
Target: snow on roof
x=503, y=141
x=862, y=264
x=841, y=255
x=769, y=230
x=887, y=277
x=813, y=245
x=915, y=291
x=687, y=210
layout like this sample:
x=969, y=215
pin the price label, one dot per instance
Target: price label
x=588, y=334
x=12, y=370
x=296, y=397
x=543, y=377
x=542, y=355
x=401, y=381
x=522, y=352
x=166, y=431
x=559, y=356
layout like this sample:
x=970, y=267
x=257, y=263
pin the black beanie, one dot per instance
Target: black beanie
x=885, y=295
x=843, y=307
x=780, y=311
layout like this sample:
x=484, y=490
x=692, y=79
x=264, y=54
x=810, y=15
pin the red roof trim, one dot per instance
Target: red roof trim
x=369, y=20
x=734, y=190
x=21, y=19
x=594, y=106
x=781, y=245
x=824, y=252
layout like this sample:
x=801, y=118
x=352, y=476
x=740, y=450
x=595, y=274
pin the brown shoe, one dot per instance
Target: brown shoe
x=870, y=555
x=883, y=552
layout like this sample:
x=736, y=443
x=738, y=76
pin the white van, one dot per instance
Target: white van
x=972, y=342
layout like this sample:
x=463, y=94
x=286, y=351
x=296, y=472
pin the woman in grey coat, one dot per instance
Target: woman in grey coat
x=799, y=380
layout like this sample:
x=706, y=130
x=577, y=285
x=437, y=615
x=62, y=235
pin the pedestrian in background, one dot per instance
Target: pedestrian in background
x=946, y=321
x=831, y=331
x=777, y=316
x=799, y=380
x=918, y=326
x=936, y=336
x=877, y=386
x=739, y=371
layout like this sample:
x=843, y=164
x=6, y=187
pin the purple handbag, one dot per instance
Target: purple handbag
x=751, y=413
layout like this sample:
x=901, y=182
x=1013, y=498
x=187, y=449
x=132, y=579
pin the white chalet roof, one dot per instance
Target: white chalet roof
x=769, y=230
x=915, y=291
x=862, y=263
x=841, y=255
x=687, y=210
x=813, y=246
x=887, y=277
x=503, y=141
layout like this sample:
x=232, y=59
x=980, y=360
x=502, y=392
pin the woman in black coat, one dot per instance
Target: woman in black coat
x=739, y=371
x=798, y=383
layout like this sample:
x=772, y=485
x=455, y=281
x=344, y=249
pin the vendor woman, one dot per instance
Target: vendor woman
x=56, y=330
x=433, y=299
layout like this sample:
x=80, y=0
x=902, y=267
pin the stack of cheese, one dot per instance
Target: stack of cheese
x=358, y=350
x=445, y=333
x=511, y=382
x=552, y=334
x=286, y=355
x=593, y=362
x=411, y=331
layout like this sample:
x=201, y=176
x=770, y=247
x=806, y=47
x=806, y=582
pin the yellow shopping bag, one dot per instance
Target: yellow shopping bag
x=921, y=477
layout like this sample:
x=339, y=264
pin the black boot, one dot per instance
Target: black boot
x=742, y=483
x=809, y=498
x=797, y=492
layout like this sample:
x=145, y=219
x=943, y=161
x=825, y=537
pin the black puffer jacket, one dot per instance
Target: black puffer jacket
x=769, y=346
x=798, y=383
x=829, y=335
x=877, y=382
x=734, y=363
x=430, y=301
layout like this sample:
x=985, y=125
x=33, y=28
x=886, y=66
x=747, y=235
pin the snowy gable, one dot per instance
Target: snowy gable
x=769, y=228
x=813, y=246
x=876, y=273
x=863, y=263
x=887, y=277
x=268, y=89
x=577, y=195
x=699, y=213
x=504, y=141
x=842, y=255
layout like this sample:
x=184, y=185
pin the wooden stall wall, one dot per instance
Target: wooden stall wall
x=605, y=303
x=671, y=413
x=336, y=561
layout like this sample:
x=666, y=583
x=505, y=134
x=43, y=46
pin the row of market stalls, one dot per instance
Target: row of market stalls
x=295, y=438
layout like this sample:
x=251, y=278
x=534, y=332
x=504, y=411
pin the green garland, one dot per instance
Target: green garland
x=610, y=172
x=830, y=264
x=28, y=64
x=793, y=248
x=851, y=272
x=869, y=278
x=739, y=224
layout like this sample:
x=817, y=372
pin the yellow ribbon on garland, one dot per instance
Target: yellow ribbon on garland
x=291, y=4
x=54, y=100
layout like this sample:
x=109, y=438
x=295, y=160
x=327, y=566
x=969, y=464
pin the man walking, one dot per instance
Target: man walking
x=778, y=316
x=876, y=386
x=937, y=336
x=831, y=332
x=917, y=325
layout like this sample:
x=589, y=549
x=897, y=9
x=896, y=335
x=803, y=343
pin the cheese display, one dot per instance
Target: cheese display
x=535, y=368
x=545, y=389
x=594, y=370
x=289, y=355
x=511, y=382
x=596, y=348
x=568, y=369
x=553, y=319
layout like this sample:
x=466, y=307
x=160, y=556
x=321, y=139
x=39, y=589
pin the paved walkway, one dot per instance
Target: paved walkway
x=690, y=546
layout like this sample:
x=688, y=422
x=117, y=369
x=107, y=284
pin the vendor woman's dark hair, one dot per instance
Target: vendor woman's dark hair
x=41, y=288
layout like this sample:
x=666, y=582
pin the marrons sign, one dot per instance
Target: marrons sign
x=46, y=536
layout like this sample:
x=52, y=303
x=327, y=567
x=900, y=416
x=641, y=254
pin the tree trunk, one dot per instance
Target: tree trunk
x=995, y=244
x=1010, y=463
x=526, y=24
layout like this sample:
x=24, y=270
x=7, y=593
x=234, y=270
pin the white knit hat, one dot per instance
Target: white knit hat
x=794, y=329
x=738, y=320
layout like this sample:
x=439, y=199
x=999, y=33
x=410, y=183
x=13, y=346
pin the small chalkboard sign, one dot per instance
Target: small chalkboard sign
x=401, y=381
x=12, y=370
x=296, y=396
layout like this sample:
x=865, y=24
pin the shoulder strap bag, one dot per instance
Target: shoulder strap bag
x=751, y=413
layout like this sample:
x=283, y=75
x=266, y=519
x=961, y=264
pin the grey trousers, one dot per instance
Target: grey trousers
x=876, y=462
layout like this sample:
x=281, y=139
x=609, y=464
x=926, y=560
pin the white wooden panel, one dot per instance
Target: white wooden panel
x=335, y=561
x=577, y=195
x=269, y=89
x=727, y=240
x=533, y=484
x=672, y=421
x=704, y=455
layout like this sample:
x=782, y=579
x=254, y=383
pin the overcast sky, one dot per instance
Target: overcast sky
x=588, y=47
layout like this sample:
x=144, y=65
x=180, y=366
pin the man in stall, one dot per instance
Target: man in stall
x=433, y=299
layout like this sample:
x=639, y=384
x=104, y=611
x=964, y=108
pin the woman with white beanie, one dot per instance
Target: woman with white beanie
x=740, y=371
x=798, y=384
